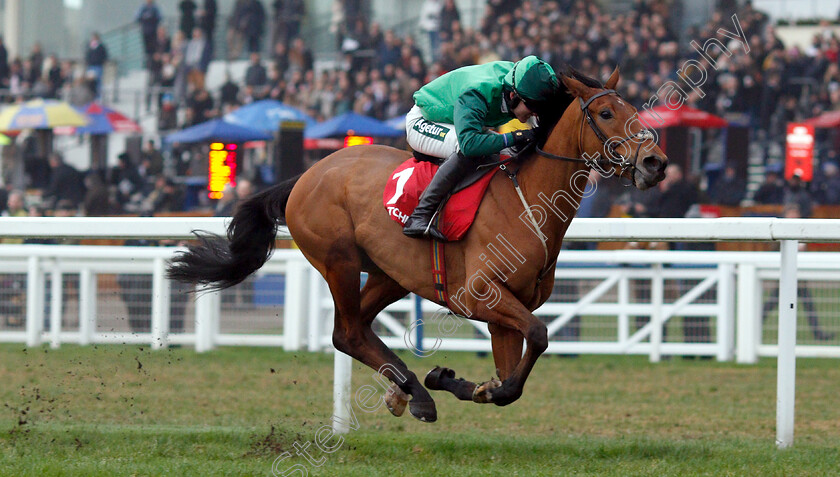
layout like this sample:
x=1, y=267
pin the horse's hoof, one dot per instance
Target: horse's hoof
x=432, y=380
x=396, y=400
x=424, y=411
x=483, y=393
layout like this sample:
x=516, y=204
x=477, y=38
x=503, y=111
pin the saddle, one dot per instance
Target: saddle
x=456, y=213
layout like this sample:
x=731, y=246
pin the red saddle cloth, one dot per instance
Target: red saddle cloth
x=409, y=180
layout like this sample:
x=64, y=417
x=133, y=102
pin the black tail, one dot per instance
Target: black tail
x=221, y=262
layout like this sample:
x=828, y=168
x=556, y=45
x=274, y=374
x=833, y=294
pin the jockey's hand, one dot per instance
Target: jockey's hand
x=523, y=137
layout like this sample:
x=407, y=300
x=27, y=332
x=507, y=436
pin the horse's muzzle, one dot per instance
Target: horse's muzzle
x=650, y=172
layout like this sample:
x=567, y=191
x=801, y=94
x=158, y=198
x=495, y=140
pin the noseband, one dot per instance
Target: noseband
x=623, y=162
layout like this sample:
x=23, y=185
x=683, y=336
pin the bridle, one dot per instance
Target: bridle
x=598, y=162
x=624, y=163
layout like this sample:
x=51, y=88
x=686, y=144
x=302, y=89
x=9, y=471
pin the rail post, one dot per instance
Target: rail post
x=296, y=303
x=160, y=305
x=786, y=379
x=34, y=302
x=56, y=305
x=749, y=324
x=207, y=305
x=316, y=312
x=657, y=299
x=726, y=315
x=342, y=377
x=87, y=306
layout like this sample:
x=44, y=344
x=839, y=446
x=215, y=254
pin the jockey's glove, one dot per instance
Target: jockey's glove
x=522, y=137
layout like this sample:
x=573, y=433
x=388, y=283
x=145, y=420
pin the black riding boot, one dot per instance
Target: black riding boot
x=445, y=179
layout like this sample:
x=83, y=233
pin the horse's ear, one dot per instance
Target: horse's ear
x=577, y=88
x=613, y=81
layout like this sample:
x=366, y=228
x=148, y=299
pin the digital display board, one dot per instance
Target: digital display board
x=222, y=169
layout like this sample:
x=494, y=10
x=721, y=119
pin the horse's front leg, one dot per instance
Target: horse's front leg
x=509, y=321
x=507, y=349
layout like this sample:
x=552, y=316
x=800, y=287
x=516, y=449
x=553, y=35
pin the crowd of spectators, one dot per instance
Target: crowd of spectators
x=379, y=70
x=46, y=76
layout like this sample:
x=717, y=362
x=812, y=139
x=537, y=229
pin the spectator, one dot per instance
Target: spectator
x=4, y=64
x=676, y=196
x=15, y=206
x=66, y=183
x=227, y=205
x=430, y=23
x=161, y=58
x=151, y=160
x=4, y=196
x=200, y=107
x=36, y=57
x=207, y=19
x=253, y=24
x=166, y=197
x=168, y=114
x=388, y=52
x=727, y=190
x=229, y=93
x=337, y=22
x=148, y=16
x=54, y=77
x=125, y=180
x=827, y=185
x=80, y=93
x=450, y=19
x=95, y=58
x=256, y=75
x=236, y=29
x=796, y=194
x=772, y=191
x=280, y=57
x=287, y=17
x=197, y=59
x=187, y=9
x=300, y=57
x=97, y=201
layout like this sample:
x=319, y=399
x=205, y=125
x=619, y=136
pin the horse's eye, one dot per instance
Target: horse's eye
x=606, y=114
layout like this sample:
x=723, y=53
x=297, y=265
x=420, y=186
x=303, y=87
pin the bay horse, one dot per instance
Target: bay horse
x=334, y=213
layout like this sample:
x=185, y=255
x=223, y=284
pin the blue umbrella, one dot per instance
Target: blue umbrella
x=397, y=122
x=267, y=115
x=218, y=130
x=351, y=124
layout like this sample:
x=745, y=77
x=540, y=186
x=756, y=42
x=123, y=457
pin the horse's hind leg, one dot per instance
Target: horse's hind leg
x=354, y=313
x=443, y=379
x=507, y=352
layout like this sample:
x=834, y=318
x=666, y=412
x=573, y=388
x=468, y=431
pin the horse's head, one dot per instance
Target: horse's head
x=611, y=134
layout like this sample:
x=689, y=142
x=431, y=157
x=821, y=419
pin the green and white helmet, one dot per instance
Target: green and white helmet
x=533, y=80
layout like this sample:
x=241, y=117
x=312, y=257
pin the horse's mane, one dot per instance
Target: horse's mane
x=561, y=100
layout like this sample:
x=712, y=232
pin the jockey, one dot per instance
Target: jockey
x=451, y=117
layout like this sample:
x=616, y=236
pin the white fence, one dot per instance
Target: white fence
x=733, y=276
x=605, y=290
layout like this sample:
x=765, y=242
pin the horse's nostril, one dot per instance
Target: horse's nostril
x=654, y=164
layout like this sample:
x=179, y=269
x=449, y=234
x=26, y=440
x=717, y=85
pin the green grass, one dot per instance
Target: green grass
x=123, y=410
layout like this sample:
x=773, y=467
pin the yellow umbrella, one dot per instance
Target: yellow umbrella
x=40, y=114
